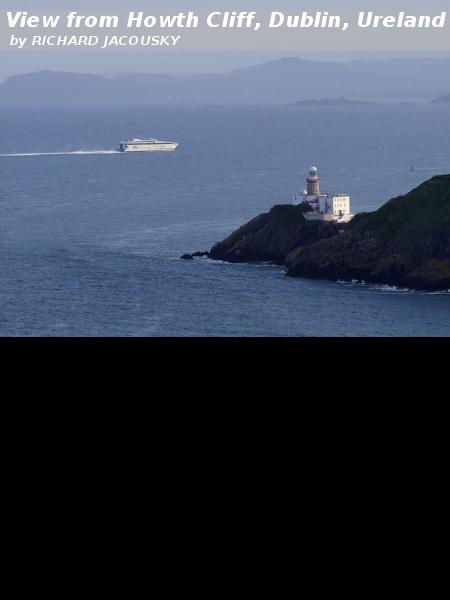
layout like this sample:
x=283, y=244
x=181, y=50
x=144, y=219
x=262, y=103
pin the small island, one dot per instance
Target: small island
x=405, y=243
x=332, y=102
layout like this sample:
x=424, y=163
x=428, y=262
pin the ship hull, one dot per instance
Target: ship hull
x=162, y=147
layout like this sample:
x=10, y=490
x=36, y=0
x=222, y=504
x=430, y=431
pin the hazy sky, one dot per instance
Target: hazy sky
x=188, y=61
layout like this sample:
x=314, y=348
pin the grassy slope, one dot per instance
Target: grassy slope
x=421, y=211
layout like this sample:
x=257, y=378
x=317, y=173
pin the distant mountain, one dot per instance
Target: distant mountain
x=60, y=87
x=442, y=100
x=282, y=81
x=332, y=102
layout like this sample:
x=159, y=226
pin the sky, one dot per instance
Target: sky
x=229, y=53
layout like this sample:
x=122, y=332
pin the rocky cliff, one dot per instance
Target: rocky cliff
x=406, y=242
x=272, y=236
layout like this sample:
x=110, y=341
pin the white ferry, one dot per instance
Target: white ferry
x=148, y=145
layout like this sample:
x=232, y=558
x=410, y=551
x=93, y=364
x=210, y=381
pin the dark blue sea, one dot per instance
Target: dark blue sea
x=90, y=241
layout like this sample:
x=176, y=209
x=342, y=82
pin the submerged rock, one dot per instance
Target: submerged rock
x=195, y=255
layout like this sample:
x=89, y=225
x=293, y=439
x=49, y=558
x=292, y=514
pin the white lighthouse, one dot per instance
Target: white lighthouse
x=324, y=207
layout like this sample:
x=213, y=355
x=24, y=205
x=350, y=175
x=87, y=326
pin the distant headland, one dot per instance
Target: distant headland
x=405, y=243
x=442, y=99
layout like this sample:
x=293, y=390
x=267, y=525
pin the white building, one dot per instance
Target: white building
x=324, y=207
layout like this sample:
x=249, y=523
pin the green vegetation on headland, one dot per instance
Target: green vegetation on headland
x=405, y=243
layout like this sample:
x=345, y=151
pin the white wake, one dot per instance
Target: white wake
x=76, y=152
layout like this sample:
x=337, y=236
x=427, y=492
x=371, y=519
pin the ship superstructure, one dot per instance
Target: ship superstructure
x=147, y=145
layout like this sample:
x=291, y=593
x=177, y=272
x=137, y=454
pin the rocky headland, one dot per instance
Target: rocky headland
x=404, y=243
x=442, y=99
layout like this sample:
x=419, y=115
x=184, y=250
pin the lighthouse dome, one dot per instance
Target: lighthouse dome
x=313, y=171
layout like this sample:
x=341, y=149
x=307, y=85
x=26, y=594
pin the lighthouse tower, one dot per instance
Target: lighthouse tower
x=313, y=182
x=323, y=206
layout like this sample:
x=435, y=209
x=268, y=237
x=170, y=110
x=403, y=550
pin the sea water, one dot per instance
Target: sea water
x=90, y=238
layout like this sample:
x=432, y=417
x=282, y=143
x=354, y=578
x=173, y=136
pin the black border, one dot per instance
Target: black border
x=212, y=349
